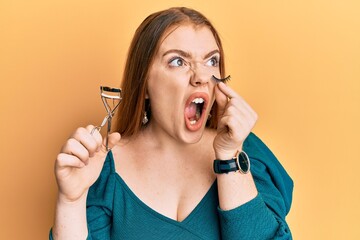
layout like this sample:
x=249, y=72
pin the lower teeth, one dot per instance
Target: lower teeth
x=192, y=122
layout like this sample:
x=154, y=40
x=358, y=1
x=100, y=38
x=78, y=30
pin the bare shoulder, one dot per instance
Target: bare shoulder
x=122, y=151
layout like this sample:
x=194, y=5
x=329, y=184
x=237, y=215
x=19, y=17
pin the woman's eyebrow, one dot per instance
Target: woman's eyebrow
x=178, y=51
x=188, y=55
x=212, y=53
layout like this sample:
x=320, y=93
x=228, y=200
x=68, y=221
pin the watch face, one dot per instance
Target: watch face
x=243, y=162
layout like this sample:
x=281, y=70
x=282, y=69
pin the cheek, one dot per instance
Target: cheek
x=166, y=87
x=161, y=85
x=167, y=99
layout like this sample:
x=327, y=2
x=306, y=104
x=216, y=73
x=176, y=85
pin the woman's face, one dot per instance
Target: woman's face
x=180, y=85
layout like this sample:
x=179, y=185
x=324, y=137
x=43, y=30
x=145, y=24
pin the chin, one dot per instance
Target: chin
x=190, y=137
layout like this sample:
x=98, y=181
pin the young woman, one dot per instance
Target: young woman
x=181, y=169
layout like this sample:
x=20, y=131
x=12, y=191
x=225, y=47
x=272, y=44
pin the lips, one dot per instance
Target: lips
x=195, y=108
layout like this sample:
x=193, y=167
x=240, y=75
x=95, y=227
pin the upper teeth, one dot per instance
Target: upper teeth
x=198, y=100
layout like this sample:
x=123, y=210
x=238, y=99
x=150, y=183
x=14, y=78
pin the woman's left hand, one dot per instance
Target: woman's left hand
x=236, y=119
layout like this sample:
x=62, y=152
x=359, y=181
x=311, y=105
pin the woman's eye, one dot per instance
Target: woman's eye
x=214, y=62
x=177, y=62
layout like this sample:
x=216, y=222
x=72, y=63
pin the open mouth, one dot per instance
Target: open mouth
x=196, y=107
x=194, y=111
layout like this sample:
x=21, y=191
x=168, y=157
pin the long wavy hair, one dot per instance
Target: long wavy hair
x=142, y=50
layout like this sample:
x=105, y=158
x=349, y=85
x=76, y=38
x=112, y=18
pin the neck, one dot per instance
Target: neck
x=166, y=144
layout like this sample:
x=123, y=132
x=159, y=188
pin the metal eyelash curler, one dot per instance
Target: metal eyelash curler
x=108, y=93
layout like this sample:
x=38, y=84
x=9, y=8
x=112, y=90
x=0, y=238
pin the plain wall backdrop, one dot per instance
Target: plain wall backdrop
x=296, y=62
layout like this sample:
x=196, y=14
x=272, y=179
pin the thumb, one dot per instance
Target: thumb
x=221, y=100
x=112, y=140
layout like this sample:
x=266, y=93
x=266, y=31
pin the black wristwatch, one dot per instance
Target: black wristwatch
x=239, y=163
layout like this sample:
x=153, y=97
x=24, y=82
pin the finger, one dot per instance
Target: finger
x=231, y=122
x=243, y=113
x=240, y=110
x=83, y=135
x=242, y=105
x=221, y=100
x=65, y=160
x=245, y=118
x=223, y=125
x=75, y=148
x=227, y=91
x=113, y=139
x=236, y=128
x=96, y=135
x=239, y=103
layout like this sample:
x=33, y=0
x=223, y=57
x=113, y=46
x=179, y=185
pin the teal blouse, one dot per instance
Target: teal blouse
x=115, y=212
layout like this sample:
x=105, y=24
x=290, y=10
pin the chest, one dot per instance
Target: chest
x=134, y=219
x=169, y=187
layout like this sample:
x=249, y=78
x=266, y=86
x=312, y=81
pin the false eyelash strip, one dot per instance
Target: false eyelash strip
x=221, y=79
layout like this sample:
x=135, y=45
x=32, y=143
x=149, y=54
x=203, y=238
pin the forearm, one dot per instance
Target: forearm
x=262, y=217
x=70, y=220
x=235, y=189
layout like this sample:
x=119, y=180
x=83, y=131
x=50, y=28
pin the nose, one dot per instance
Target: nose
x=200, y=75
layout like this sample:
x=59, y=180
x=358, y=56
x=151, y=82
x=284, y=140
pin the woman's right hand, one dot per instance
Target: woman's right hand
x=80, y=161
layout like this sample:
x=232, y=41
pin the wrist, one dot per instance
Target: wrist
x=69, y=201
x=70, y=218
x=226, y=155
x=227, y=152
x=240, y=162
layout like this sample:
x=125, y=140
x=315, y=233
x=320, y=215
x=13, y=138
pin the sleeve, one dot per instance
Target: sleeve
x=100, y=203
x=264, y=216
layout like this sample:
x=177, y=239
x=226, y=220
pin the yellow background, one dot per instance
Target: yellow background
x=296, y=62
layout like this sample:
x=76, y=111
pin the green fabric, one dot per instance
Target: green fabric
x=114, y=212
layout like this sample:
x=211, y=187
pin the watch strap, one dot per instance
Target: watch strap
x=239, y=163
x=225, y=166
